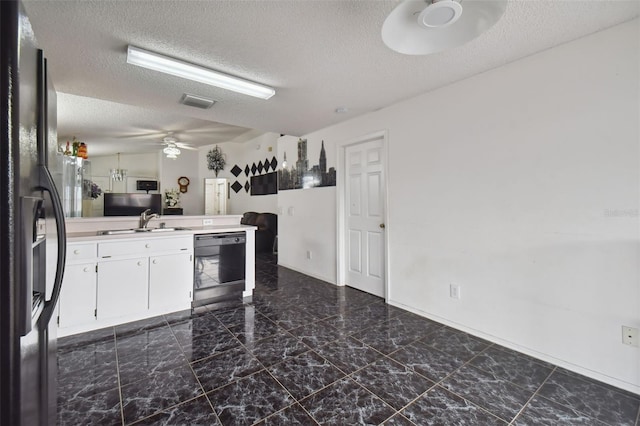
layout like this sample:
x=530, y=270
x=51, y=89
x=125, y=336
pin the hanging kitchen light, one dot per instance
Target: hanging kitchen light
x=118, y=175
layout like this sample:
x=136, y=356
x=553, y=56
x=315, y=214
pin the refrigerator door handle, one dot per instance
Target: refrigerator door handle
x=46, y=184
x=29, y=211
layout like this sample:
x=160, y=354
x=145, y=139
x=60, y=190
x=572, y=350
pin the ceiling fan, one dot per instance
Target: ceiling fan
x=173, y=145
x=421, y=27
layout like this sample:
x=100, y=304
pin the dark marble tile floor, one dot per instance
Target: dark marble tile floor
x=304, y=352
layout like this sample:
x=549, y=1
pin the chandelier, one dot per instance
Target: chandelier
x=118, y=175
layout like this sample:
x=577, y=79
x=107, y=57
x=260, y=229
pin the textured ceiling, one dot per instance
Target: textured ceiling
x=318, y=55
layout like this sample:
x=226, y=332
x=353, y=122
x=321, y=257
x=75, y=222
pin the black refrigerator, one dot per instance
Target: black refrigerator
x=32, y=233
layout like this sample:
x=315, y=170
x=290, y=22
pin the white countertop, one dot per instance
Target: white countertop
x=92, y=236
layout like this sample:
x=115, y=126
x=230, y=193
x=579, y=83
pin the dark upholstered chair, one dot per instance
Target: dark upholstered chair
x=267, y=231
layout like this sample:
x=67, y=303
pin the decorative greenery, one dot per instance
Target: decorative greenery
x=172, y=197
x=91, y=189
x=215, y=160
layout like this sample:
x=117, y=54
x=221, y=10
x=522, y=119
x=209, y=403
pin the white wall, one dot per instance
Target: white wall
x=143, y=165
x=137, y=165
x=521, y=185
x=184, y=165
x=242, y=154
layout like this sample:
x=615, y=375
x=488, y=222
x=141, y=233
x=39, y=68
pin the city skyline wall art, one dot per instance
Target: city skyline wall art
x=295, y=170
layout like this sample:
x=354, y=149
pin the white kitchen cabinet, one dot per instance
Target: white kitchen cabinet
x=122, y=287
x=170, y=281
x=136, y=278
x=77, y=304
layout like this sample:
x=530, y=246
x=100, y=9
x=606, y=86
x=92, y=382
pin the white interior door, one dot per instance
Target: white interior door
x=364, y=203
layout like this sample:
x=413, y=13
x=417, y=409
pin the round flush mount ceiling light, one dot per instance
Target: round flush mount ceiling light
x=440, y=14
x=421, y=27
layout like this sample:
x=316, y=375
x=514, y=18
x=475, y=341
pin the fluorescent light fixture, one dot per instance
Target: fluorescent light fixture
x=167, y=65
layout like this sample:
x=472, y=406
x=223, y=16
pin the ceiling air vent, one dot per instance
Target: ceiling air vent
x=196, y=101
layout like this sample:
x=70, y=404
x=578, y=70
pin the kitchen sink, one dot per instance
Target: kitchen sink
x=163, y=229
x=117, y=232
x=136, y=230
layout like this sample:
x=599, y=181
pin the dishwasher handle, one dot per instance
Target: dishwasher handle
x=207, y=240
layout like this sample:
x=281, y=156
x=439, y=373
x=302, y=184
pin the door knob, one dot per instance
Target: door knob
x=382, y=225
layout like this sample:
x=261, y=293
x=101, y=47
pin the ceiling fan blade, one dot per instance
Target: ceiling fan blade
x=186, y=146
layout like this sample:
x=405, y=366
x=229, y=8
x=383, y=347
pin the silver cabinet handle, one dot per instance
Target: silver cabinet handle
x=155, y=261
x=140, y=263
x=147, y=245
x=76, y=251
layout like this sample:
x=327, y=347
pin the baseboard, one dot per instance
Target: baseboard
x=630, y=387
x=330, y=281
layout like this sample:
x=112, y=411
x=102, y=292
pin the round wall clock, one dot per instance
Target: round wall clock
x=183, y=181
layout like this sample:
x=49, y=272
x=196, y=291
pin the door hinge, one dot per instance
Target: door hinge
x=190, y=258
x=189, y=298
x=58, y=320
x=96, y=267
x=95, y=313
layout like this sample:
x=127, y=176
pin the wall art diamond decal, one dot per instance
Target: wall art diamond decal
x=260, y=167
x=237, y=186
x=246, y=170
x=274, y=163
x=236, y=170
x=247, y=186
x=253, y=169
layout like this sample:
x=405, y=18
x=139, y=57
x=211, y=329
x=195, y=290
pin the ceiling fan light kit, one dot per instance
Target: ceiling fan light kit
x=172, y=151
x=178, y=68
x=422, y=27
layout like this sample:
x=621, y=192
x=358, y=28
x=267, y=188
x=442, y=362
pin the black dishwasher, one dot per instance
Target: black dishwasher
x=219, y=267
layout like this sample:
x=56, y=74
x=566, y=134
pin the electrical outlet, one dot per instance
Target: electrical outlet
x=309, y=254
x=206, y=222
x=454, y=291
x=630, y=336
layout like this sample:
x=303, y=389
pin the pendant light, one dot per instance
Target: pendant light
x=118, y=175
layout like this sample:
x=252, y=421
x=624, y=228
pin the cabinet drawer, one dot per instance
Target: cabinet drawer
x=77, y=252
x=140, y=247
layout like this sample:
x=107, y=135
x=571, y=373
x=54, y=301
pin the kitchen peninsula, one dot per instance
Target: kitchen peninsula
x=128, y=276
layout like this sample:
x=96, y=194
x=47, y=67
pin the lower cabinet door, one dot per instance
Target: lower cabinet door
x=78, y=295
x=170, y=281
x=123, y=287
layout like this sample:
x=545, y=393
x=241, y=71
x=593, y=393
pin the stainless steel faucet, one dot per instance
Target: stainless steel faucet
x=145, y=218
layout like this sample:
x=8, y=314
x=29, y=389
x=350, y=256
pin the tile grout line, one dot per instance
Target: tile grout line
x=480, y=407
x=572, y=408
x=115, y=345
x=190, y=366
x=266, y=369
x=535, y=393
x=167, y=324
